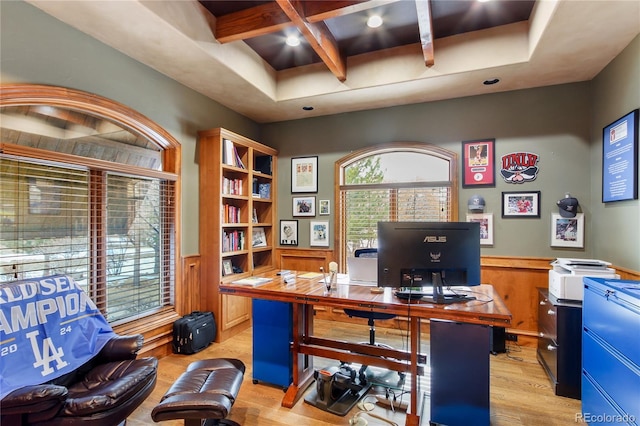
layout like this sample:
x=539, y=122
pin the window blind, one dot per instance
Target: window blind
x=362, y=208
x=113, y=233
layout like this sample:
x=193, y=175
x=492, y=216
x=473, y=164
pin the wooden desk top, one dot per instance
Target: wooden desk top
x=488, y=308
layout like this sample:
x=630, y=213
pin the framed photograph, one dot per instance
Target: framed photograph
x=620, y=159
x=319, y=234
x=324, y=207
x=521, y=204
x=486, y=226
x=304, y=174
x=289, y=232
x=567, y=231
x=478, y=163
x=259, y=238
x=304, y=206
x=227, y=267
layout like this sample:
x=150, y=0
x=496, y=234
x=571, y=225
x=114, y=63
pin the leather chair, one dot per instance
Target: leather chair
x=102, y=392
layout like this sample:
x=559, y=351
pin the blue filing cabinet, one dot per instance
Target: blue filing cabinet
x=272, y=336
x=611, y=351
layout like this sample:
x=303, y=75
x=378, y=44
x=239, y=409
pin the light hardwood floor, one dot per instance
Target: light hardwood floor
x=520, y=391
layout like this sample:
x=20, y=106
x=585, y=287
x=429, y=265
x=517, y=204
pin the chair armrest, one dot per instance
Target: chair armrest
x=121, y=347
x=33, y=399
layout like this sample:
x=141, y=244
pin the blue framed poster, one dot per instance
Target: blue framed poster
x=620, y=159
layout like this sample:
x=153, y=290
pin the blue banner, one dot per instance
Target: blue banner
x=48, y=327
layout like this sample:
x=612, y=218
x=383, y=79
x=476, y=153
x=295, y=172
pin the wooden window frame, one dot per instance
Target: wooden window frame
x=419, y=148
x=32, y=94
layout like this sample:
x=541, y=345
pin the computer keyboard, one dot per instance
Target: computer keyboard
x=451, y=294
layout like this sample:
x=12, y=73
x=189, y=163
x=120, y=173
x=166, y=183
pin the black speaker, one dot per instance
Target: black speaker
x=497, y=340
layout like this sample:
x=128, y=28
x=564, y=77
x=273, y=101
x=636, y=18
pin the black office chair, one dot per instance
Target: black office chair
x=371, y=317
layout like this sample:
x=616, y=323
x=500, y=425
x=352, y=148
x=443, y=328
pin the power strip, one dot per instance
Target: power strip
x=389, y=403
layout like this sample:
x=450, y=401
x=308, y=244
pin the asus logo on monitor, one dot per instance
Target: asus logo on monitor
x=434, y=239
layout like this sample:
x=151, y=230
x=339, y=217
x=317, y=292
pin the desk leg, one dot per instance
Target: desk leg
x=413, y=418
x=302, y=364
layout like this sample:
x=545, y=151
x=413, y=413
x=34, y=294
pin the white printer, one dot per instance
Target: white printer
x=565, y=278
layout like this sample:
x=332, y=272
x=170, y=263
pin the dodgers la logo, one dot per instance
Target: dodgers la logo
x=519, y=167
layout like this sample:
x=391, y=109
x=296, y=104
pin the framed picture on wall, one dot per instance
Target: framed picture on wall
x=478, y=163
x=304, y=206
x=620, y=159
x=486, y=226
x=289, y=232
x=521, y=204
x=567, y=231
x=304, y=174
x=319, y=234
x=324, y=207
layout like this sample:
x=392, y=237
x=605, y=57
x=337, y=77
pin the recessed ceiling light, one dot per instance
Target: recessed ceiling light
x=293, y=41
x=491, y=81
x=374, y=21
x=307, y=108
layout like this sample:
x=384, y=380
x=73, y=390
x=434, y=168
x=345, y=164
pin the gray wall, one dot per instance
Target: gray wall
x=563, y=124
x=615, y=92
x=36, y=48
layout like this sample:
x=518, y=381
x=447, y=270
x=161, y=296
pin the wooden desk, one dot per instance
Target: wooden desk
x=304, y=294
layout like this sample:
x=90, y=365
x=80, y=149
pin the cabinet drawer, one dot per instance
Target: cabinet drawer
x=548, y=319
x=617, y=377
x=548, y=351
x=613, y=319
x=596, y=409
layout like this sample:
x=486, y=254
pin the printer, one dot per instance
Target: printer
x=565, y=277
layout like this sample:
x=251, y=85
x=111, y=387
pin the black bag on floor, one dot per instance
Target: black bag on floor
x=193, y=332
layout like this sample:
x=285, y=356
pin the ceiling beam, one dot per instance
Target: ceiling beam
x=318, y=36
x=426, y=31
x=256, y=21
x=269, y=17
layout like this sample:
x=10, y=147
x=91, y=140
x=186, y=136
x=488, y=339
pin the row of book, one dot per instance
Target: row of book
x=233, y=241
x=230, y=214
x=232, y=186
x=230, y=154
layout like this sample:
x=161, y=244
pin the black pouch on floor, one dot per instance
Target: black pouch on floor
x=193, y=332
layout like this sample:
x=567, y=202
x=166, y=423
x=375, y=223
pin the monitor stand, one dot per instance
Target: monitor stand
x=438, y=296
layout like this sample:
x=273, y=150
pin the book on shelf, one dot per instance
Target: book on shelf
x=254, y=218
x=263, y=164
x=255, y=187
x=230, y=155
x=264, y=190
x=259, y=237
x=232, y=241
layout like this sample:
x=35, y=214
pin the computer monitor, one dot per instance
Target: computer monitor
x=438, y=254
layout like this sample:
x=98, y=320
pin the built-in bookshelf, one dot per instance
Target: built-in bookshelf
x=237, y=220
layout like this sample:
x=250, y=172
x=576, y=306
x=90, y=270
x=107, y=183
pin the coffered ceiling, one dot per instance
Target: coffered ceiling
x=425, y=50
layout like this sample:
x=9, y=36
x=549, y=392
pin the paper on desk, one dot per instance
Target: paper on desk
x=340, y=279
x=310, y=275
x=253, y=281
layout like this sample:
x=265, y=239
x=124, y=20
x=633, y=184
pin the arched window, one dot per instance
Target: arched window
x=394, y=182
x=89, y=189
